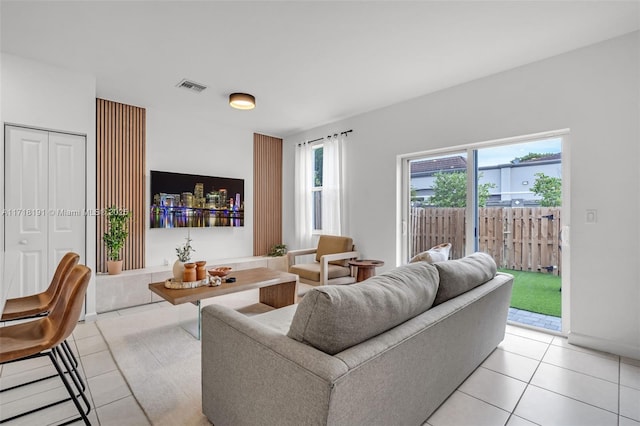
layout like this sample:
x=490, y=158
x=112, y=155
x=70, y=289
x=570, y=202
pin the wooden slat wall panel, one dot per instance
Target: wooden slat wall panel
x=120, y=156
x=267, y=193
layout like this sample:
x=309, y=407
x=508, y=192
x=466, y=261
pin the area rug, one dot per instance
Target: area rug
x=161, y=361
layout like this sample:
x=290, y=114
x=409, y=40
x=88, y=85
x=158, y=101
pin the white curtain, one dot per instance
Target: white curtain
x=303, y=196
x=333, y=186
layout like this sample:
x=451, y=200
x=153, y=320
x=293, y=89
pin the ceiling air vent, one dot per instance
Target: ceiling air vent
x=191, y=85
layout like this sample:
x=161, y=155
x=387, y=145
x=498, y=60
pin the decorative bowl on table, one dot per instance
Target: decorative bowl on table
x=176, y=285
x=220, y=271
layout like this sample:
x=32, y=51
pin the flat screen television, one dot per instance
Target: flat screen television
x=180, y=200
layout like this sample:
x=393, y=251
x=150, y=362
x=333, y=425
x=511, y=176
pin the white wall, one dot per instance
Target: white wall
x=181, y=144
x=37, y=95
x=594, y=92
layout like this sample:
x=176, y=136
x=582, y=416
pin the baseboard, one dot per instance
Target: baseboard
x=604, y=345
x=90, y=317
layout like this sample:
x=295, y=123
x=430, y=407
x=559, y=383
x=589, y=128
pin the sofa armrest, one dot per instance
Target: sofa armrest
x=252, y=374
x=324, y=263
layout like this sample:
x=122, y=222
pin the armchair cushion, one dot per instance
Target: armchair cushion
x=311, y=271
x=331, y=244
x=333, y=318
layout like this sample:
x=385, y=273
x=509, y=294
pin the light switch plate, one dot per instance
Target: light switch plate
x=592, y=216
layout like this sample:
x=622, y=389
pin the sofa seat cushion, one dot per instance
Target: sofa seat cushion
x=461, y=275
x=311, y=271
x=334, y=318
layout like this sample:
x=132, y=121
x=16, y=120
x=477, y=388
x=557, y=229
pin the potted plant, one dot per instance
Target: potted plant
x=117, y=233
x=278, y=251
x=184, y=255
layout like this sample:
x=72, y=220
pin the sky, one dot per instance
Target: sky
x=504, y=154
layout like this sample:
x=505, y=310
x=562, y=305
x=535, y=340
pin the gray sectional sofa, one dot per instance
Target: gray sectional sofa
x=387, y=351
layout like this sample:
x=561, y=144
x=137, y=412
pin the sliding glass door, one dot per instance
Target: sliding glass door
x=519, y=210
x=437, y=205
x=502, y=199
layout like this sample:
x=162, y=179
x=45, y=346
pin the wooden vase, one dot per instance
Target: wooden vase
x=201, y=272
x=189, y=272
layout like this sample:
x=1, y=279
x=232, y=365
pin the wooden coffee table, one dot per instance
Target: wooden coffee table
x=277, y=289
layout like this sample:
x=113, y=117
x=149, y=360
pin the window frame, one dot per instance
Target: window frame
x=403, y=197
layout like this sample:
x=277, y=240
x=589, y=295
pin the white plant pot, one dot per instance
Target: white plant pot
x=178, y=270
x=114, y=267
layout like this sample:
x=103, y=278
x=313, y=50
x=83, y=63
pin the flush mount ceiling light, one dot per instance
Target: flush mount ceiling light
x=242, y=101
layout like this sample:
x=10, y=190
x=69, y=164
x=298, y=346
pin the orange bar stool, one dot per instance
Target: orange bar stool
x=45, y=337
x=40, y=304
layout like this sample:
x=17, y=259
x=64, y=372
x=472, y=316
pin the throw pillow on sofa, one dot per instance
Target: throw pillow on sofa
x=333, y=318
x=461, y=275
x=439, y=253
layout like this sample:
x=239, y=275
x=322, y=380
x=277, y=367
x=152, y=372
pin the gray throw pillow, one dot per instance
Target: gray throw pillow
x=335, y=317
x=461, y=275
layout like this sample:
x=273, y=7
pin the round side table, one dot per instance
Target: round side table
x=366, y=268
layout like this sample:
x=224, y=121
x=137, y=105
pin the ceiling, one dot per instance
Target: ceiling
x=307, y=62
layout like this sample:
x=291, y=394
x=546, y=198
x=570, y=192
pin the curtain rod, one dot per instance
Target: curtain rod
x=334, y=135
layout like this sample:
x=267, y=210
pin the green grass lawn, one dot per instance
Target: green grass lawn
x=535, y=292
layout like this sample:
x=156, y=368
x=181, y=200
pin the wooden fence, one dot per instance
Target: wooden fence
x=526, y=239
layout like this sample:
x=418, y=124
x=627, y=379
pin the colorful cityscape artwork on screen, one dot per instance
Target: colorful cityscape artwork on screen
x=181, y=200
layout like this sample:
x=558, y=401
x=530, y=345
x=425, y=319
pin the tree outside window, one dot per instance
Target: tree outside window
x=450, y=190
x=549, y=188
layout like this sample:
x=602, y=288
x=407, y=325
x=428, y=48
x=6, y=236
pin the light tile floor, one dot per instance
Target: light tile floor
x=532, y=378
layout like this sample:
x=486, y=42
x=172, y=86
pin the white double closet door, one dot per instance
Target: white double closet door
x=45, y=194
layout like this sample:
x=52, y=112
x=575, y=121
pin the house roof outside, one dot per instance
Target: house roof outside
x=544, y=158
x=459, y=164
x=429, y=167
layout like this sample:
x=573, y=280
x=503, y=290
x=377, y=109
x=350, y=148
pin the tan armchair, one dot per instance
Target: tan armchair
x=331, y=264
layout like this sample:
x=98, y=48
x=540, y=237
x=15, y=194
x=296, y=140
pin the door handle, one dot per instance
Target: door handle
x=23, y=242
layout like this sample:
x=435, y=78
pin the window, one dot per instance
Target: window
x=319, y=189
x=316, y=187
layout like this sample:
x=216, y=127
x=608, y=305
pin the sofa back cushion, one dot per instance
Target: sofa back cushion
x=332, y=244
x=461, y=275
x=333, y=318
